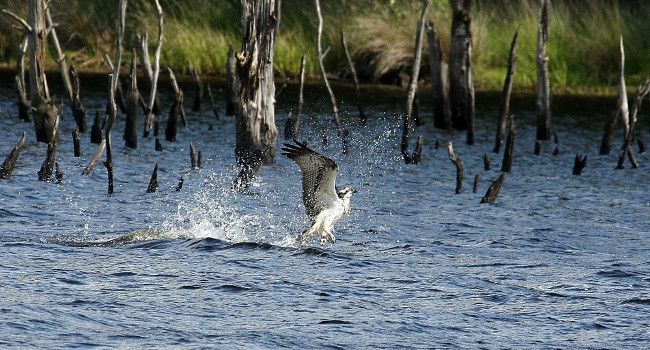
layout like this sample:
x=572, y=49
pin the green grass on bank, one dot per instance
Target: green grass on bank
x=582, y=48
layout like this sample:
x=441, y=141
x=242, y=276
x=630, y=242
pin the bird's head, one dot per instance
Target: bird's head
x=346, y=193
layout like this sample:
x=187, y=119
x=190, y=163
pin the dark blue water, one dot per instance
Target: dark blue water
x=560, y=261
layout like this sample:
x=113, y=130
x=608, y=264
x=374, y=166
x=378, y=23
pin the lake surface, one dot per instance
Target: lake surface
x=560, y=261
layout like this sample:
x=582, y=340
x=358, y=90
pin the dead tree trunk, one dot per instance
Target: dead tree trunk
x=45, y=174
x=579, y=164
x=112, y=110
x=119, y=94
x=543, y=84
x=153, y=106
x=507, y=90
x=10, y=162
x=96, y=130
x=415, y=73
x=193, y=162
x=353, y=72
x=486, y=162
x=506, y=166
x=292, y=126
x=641, y=93
x=461, y=85
x=477, y=179
x=439, y=81
x=196, y=105
x=343, y=132
x=69, y=77
x=132, y=98
x=493, y=191
x=538, y=147
x=460, y=173
x=176, y=112
x=256, y=133
x=76, y=140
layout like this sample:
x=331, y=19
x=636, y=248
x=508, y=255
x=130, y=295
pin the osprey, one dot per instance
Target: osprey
x=324, y=204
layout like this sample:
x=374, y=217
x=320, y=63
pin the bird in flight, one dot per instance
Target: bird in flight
x=324, y=204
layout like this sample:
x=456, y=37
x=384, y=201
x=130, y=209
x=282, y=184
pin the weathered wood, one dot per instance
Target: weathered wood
x=157, y=145
x=233, y=88
x=198, y=98
x=76, y=139
x=58, y=174
x=538, y=147
x=353, y=73
x=292, y=125
x=343, y=132
x=45, y=174
x=579, y=163
x=505, y=96
x=18, y=19
x=543, y=84
x=10, y=162
x=153, y=95
x=439, y=81
x=78, y=110
x=486, y=162
x=133, y=96
x=460, y=69
x=21, y=87
x=179, y=187
x=96, y=130
x=493, y=191
x=44, y=112
x=176, y=111
x=256, y=133
x=199, y=160
x=416, y=110
x=506, y=165
x=641, y=93
x=93, y=162
x=460, y=173
x=193, y=161
x=120, y=100
x=213, y=103
x=410, y=95
x=153, y=182
x=417, y=154
x=112, y=110
x=477, y=179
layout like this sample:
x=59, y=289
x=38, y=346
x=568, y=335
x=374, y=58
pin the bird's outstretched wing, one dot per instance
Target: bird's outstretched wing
x=318, y=176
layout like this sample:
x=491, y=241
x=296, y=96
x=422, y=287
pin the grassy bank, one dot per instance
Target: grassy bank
x=582, y=47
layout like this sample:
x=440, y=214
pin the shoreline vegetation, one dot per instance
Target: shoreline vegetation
x=583, y=44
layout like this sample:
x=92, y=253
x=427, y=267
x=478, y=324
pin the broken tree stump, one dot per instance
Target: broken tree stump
x=78, y=110
x=477, y=179
x=630, y=129
x=96, y=130
x=556, y=151
x=198, y=98
x=543, y=83
x=486, y=162
x=439, y=81
x=199, y=160
x=153, y=183
x=505, y=98
x=179, y=187
x=493, y=191
x=58, y=174
x=193, y=161
x=45, y=174
x=579, y=163
x=353, y=72
x=157, y=145
x=412, y=89
x=461, y=86
x=460, y=174
x=10, y=162
x=77, y=142
x=176, y=111
x=133, y=96
x=506, y=166
x=538, y=147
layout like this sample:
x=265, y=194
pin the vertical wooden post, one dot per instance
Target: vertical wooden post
x=410, y=96
x=439, y=81
x=505, y=97
x=460, y=172
x=543, y=84
x=460, y=71
x=256, y=132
